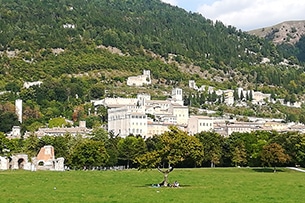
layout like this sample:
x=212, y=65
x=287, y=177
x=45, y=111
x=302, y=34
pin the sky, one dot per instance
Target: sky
x=245, y=14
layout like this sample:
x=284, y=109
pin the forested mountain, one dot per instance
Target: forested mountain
x=62, y=43
x=33, y=25
x=33, y=30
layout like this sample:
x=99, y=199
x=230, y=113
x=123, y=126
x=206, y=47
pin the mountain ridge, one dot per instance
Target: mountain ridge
x=285, y=32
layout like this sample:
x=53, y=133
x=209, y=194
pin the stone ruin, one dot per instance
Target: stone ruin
x=45, y=160
x=17, y=161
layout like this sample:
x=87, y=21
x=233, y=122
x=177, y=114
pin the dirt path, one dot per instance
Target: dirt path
x=297, y=169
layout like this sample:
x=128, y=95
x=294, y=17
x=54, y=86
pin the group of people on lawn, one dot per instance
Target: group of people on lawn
x=175, y=184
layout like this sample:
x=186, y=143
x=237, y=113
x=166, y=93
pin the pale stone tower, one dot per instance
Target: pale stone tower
x=18, y=109
x=177, y=96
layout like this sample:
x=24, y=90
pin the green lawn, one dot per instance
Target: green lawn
x=197, y=185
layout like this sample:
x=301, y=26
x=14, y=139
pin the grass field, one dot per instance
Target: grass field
x=197, y=185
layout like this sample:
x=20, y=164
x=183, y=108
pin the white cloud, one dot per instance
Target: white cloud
x=252, y=14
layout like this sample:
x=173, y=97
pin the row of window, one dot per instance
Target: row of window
x=240, y=129
x=138, y=123
x=119, y=117
x=183, y=115
x=205, y=124
x=135, y=131
x=141, y=117
x=155, y=132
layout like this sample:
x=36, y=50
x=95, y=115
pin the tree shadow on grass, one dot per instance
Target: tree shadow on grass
x=267, y=170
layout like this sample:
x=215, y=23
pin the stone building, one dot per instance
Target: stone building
x=147, y=116
x=45, y=160
x=60, y=131
x=197, y=124
x=127, y=120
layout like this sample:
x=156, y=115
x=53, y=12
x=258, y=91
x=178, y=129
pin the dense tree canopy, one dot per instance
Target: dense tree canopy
x=88, y=154
x=212, y=144
x=173, y=148
x=273, y=154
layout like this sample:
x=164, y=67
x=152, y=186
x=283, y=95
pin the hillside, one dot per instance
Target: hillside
x=289, y=37
x=127, y=25
x=52, y=38
x=86, y=49
x=285, y=32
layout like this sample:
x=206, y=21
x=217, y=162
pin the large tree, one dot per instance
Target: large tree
x=294, y=145
x=273, y=154
x=8, y=120
x=131, y=147
x=212, y=146
x=88, y=154
x=174, y=147
x=31, y=146
x=239, y=155
x=6, y=145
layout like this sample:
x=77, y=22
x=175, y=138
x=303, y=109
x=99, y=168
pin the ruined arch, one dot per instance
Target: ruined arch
x=40, y=163
x=21, y=163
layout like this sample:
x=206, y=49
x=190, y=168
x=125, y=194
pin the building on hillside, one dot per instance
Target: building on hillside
x=192, y=85
x=127, y=120
x=226, y=128
x=229, y=97
x=296, y=128
x=158, y=128
x=147, y=116
x=30, y=84
x=140, y=80
x=115, y=102
x=181, y=113
x=177, y=96
x=15, y=133
x=197, y=124
x=60, y=131
x=240, y=128
x=259, y=98
x=276, y=126
x=68, y=25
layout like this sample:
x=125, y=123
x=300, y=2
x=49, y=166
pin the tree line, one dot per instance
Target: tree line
x=174, y=148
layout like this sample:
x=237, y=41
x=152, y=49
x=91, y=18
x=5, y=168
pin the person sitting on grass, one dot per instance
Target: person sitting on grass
x=176, y=184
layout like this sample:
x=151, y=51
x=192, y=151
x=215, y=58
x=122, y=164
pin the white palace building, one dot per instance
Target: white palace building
x=145, y=117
